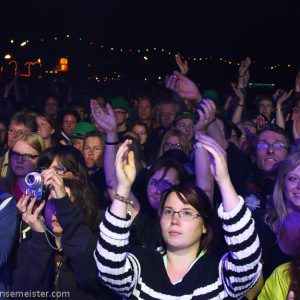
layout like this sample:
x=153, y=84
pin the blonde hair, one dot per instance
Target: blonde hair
x=182, y=141
x=277, y=216
x=35, y=141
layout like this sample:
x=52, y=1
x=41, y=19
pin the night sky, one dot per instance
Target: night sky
x=266, y=30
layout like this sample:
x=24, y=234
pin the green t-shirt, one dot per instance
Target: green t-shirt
x=277, y=285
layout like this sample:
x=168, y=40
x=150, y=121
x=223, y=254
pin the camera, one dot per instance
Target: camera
x=34, y=186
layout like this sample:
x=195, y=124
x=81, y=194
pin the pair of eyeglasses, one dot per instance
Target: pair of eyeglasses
x=276, y=146
x=184, y=215
x=12, y=131
x=142, y=132
x=164, y=114
x=117, y=112
x=95, y=149
x=25, y=157
x=172, y=146
x=184, y=126
x=162, y=185
x=59, y=170
x=70, y=122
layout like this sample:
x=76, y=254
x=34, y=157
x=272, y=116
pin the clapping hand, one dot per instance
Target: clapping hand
x=183, y=66
x=104, y=117
x=183, y=86
x=125, y=168
x=206, y=116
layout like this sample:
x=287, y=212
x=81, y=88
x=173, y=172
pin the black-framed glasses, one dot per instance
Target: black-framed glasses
x=96, y=149
x=184, y=215
x=276, y=146
x=142, y=132
x=172, y=146
x=25, y=157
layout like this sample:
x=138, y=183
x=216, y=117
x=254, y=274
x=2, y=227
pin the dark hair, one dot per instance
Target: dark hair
x=69, y=157
x=27, y=119
x=85, y=200
x=274, y=128
x=47, y=118
x=140, y=123
x=191, y=194
x=72, y=113
x=168, y=164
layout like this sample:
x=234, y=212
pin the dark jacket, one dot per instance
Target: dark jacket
x=77, y=273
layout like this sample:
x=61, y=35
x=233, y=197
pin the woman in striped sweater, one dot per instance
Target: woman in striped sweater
x=183, y=268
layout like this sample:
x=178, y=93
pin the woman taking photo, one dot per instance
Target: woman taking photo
x=60, y=260
x=184, y=265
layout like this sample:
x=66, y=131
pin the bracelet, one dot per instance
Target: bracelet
x=278, y=109
x=111, y=143
x=240, y=105
x=123, y=199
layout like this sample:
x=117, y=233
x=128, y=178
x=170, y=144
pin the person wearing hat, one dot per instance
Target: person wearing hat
x=77, y=138
x=185, y=121
x=122, y=113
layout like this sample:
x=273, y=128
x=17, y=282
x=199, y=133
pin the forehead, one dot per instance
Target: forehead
x=18, y=126
x=185, y=121
x=144, y=102
x=173, y=139
x=265, y=101
x=70, y=117
x=167, y=107
x=23, y=147
x=138, y=127
x=271, y=136
x=119, y=109
x=51, y=101
x=92, y=140
x=173, y=201
x=295, y=171
x=171, y=174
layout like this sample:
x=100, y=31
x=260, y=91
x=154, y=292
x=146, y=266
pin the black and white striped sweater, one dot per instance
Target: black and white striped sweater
x=141, y=274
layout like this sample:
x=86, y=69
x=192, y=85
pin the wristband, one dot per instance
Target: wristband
x=240, y=105
x=197, y=145
x=278, y=109
x=111, y=143
x=123, y=199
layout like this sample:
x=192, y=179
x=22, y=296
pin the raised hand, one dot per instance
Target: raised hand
x=29, y=215
x=290, y=296
x=297, y=83
x=244, y=73
x=296, y=122
x=238, y=92
x=283, y=97
x=183, y=86
x=183, y=66
x=54, y=182
x=104, y=117
x=206, y=116
x=125, y=168
x=260, y=122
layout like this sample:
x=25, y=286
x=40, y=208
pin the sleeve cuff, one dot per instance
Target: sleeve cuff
x=230, y=214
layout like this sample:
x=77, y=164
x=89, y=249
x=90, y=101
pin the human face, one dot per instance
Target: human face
x=101, y=101
x=78, y=144
x=157, y=185
x=67, y=174
x=14, y=130
x=246, y=140
x=144, y=110
x=92, y=157
x=121, y=115
x=51, y=107
x=267, y=159
x=3, y=132
x=20, y=167
x=167, y=115
x=44, y=128
x=265, y=108
x=183, y=236
x=172, y=142
x=291, y=189
x=234, y=137
x=187, y=127
x=69, y=124
x=140, y=130
x=81, y=112
x=50, y=215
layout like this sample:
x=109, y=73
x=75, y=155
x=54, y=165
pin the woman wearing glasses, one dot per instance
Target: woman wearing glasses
x=23, y=158
x=183, y=266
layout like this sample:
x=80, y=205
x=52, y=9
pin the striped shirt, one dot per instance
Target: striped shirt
x=141, y=274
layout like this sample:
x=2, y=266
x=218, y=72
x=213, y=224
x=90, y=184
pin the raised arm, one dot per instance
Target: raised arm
x=282, y=97
x=183, y=66
x=237, y=115
x=204, y=178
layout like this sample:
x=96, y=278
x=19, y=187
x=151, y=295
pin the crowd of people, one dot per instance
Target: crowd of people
x=180, y=196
